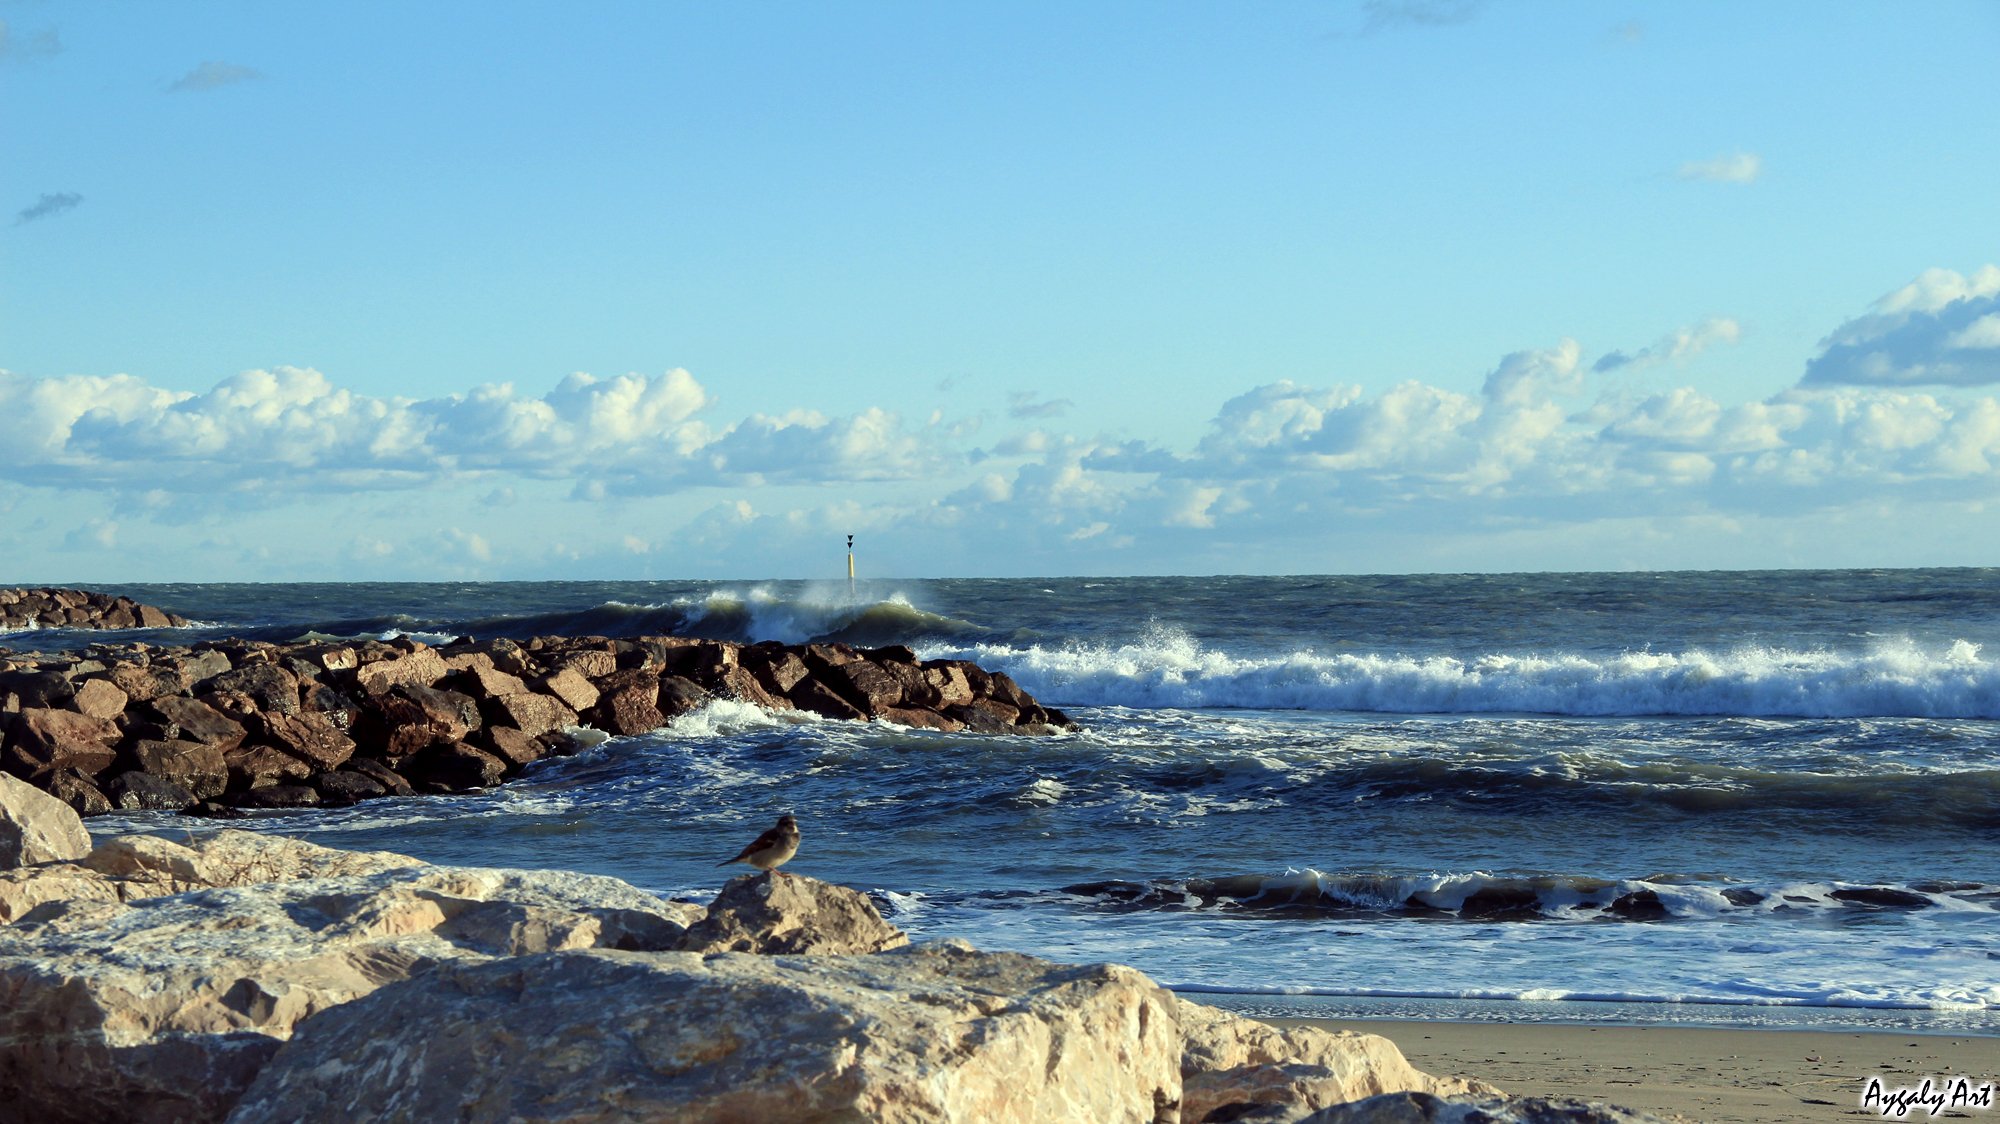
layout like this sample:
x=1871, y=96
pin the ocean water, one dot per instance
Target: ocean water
x=1743, y=798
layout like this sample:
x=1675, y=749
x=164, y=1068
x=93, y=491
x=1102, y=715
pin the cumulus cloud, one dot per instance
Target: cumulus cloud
x=1676, y=346
x=51, y=203
x=212, y=75
x=293, y=429
x=1941, y=329
x=1027, y=404
x=1733, y=167
x=42, y=44
x=1385, y=15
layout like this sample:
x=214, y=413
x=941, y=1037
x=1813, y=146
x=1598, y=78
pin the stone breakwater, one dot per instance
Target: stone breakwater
x=231, y=724
x=249, y=978
x=79, y=608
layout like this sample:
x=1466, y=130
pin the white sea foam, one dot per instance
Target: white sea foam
x=1169, y=668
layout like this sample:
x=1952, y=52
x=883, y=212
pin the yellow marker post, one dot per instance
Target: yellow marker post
x=850, y=569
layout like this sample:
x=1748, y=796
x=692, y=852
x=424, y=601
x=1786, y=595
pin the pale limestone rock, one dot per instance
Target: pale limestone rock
x=36, y=827
x=939, y=1032
x=1227, y=1059
x=163, y=1006
x=777, y=913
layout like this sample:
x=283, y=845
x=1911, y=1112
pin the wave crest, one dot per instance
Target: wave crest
x=1168, y=668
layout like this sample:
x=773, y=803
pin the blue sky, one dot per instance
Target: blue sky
x=445, y=290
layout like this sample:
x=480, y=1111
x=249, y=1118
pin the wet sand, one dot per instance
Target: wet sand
x=1720, y=1076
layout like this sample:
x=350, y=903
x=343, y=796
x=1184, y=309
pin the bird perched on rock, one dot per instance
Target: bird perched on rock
x=770, y=850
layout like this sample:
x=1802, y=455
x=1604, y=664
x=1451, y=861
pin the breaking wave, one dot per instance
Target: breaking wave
x=1168, y=668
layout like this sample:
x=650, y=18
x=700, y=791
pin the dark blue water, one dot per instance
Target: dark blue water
x=1299, y=784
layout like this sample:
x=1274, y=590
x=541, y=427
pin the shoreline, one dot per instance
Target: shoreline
x=1711, y=1074
x=1745, y=1017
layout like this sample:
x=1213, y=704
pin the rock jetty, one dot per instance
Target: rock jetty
x=252, y=978
x=232, y=724
x=79, y=608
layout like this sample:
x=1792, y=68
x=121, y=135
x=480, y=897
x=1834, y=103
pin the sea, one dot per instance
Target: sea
x=1731, y=798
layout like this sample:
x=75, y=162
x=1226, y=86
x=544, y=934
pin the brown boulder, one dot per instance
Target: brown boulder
x=866, y=685
x=591, y=664
x=199, y=722
x=77, y=790
x=195, y=766
x=454, y=767
x=268, y=686
x=260, y=766
x=310, y=737
x=627, y=703
x=743, y=685
x=43, y=739
x=517, y=747
x=571, y=687
x=528, y=712
x=382, y=774
x=947, y=678
x=423, y=667
x=99, y=698
x=776, y=914
x=813, y=695
x=135, y=792
x=920, y=719
x=143, y=683
x=678, y=696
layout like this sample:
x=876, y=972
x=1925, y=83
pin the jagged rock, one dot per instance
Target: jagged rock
x=628, y=703
x=276, y=796
x=259, y=766
x=571, y=687
x=516, y=747
x=529, y=713
x=42, y=739
x=1228, y=1060
x=37, y=688
x=100, y=698
x=739, y=683
x=271, y=688
x=814, y=695
x=78, y=791
x=679, y=696
x=422, y=667
x=454, y=767
x=382, y=774
x=1426, y=1108
x=36, y=827
x=871, y=689
x=774, y=912
x=79, y=608
x=206, y=983
x=199, y=722
x=199, y=768
x=310, y=737
x=941, y=1032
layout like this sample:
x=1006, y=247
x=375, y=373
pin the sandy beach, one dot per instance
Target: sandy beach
x=1721, y=1076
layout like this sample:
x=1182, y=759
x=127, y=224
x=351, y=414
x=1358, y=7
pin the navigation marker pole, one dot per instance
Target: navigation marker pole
x=850, y=569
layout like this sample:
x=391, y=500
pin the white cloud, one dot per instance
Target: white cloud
x=212, y=75
x=1733, y=167
x=1941, y=329
x=1675, y=347
x=291, y=429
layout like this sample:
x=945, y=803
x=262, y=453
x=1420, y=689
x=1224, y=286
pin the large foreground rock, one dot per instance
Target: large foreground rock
x=36, y=827
x=776, y=913
x=1230, y=1062
x=138, y=990
x=938, y=1032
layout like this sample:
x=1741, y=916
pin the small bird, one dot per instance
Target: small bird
x=773, y=848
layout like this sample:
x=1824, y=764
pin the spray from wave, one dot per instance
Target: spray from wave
x=1169, y=668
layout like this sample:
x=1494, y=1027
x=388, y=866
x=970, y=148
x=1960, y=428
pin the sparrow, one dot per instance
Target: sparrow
x=773, y=848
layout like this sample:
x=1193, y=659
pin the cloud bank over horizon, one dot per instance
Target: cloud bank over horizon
x=1551, y=440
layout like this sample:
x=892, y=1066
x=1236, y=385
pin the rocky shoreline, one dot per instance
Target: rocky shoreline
x=232, y=724
x=248, y=978
x=50, y=607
